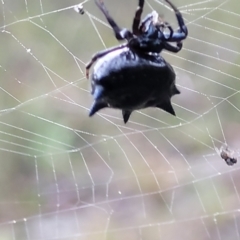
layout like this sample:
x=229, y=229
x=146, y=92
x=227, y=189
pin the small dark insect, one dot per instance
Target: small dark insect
x=227, y=155
x=79, y=8
x=134, y=76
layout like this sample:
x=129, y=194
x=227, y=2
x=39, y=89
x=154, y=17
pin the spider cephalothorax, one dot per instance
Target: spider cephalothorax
x=134, y=75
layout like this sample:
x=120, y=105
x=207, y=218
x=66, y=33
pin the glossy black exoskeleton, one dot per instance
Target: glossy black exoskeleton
x=134, y=75
x=129, y=81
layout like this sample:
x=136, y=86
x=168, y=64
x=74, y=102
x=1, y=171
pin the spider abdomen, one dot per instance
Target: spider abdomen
x=133, y=75
x=127, y=80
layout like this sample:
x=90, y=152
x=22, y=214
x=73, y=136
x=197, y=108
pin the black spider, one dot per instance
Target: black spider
x=133, y=75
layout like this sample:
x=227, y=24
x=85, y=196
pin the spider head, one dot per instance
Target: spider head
x=151, y=37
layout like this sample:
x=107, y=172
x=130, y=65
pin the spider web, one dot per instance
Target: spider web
x=64, y=175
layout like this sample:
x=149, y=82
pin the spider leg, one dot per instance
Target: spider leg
x=164, y=25
x=99, y=55
x=172, y=48
x=120, y=34
x=144, y=24
x=167, y=25
x=137, y=18
x=182, y=33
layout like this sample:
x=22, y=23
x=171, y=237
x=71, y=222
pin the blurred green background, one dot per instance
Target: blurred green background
x=64, y=175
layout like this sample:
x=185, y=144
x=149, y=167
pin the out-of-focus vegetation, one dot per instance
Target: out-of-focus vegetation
x=64, y=175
